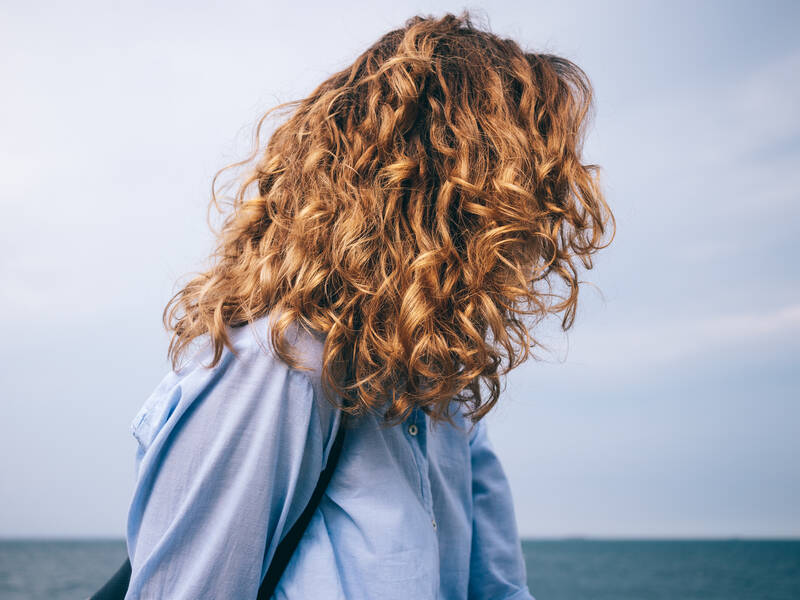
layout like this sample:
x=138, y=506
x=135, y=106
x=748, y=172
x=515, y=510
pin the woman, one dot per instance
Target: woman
x=378, y=266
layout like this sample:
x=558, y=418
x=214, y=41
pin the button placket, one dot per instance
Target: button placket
x=418, y=431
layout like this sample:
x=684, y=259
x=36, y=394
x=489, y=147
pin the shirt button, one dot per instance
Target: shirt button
x=433, y=522
x=412, y=429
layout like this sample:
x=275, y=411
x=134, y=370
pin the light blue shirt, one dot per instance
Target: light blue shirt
x=228, y=457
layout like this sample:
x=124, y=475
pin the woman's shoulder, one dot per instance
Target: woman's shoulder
x=253, y=338
x=241, y=382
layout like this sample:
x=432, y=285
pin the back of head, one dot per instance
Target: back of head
x=417, y=210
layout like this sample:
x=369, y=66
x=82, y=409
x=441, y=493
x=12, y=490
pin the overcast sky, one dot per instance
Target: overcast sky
x=672, y=408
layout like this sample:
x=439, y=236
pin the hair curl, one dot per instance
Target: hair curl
x=409, y=210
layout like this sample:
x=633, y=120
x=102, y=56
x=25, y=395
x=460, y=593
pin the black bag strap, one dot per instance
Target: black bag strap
x=117, y=586
x=286, y=547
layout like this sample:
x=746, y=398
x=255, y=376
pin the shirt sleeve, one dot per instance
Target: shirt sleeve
x=497, y=567
x=227, y=460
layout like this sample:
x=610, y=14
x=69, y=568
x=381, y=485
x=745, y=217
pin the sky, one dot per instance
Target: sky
x=670, y=409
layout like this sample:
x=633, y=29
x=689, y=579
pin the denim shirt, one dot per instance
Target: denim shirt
x=227, y=459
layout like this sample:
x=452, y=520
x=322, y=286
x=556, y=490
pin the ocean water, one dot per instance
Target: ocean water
x=656, y=570
x=557, y=569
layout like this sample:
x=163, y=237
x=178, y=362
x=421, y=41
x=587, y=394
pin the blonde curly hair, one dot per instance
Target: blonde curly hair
x=410, y=210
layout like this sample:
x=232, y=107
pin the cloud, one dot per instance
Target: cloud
x=648, y=345
x=747, y=326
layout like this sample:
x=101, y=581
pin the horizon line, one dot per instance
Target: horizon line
x=542, y=538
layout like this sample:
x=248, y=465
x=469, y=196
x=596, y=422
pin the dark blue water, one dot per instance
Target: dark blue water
x=557, y=570
x=655, y=570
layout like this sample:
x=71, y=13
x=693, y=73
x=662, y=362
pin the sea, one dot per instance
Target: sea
x=564, y=569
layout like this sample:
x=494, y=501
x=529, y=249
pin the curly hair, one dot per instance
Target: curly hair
x=410, y=210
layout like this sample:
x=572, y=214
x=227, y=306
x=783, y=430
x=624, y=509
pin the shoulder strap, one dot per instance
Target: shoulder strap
x=117, y=586
x=287, y=545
